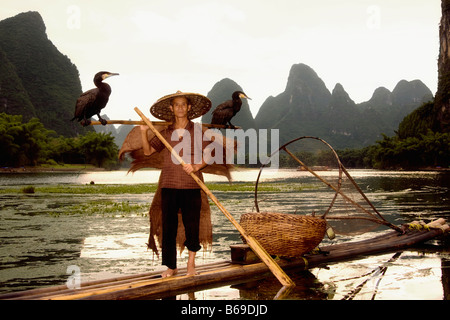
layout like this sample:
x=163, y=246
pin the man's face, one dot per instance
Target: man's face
x=180, y=107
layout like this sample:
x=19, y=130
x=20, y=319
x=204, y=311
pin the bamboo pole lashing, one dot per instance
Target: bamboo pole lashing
x=252, y=242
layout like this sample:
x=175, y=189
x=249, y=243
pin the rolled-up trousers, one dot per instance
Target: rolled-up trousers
x=172, y=200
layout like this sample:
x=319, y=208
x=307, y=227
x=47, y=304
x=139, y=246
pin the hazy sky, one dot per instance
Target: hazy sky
x=161, y=46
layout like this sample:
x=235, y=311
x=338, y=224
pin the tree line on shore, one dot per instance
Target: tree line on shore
x=31, y=144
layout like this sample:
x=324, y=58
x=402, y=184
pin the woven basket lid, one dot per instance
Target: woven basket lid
x=200, y=105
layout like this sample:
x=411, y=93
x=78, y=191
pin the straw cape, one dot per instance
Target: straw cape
x=132, y=145
x=200, y=105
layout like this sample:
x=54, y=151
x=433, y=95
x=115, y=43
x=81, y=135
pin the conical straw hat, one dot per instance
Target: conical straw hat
x=200, y=105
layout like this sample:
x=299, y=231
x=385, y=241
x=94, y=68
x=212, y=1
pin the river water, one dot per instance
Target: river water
x=41, y=243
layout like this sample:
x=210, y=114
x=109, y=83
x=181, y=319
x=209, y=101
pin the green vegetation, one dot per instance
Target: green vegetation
x=93, y=201
x=309, y=158
x=419, y=143
x=21, y=143
x=92, y=204
x=93, y=189
x=426, y=150
x=30, y=144
x=112, y=189
x=108, y=208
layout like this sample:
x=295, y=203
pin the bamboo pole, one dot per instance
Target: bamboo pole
x=163, y=123
x=131, y=122
x=252, y=242
x=102, y=286
x=360, y=191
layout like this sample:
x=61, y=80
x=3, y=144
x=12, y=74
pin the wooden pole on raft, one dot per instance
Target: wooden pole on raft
x=252, y=242
x=131, y=122
x=164, y=123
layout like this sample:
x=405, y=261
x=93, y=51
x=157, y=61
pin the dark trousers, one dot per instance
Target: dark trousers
x=172, y=200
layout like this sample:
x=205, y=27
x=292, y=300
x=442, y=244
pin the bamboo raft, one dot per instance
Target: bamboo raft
x=244, y=266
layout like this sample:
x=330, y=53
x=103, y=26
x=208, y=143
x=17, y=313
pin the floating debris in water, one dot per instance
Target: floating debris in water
x=29, y=189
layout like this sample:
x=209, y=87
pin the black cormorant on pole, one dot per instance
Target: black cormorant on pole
x=91, y=102
x=224, y=112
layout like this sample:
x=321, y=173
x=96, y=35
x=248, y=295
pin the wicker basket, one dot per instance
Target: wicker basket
x=284, y=235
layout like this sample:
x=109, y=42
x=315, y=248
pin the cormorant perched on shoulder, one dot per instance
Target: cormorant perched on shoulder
x=224, y=112
x=93, y=101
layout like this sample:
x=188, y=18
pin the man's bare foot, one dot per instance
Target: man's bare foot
x=169, y=273
x=191, y=265
x=191, y=272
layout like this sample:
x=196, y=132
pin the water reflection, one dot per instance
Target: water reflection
x=39, y=240
x=307, y=288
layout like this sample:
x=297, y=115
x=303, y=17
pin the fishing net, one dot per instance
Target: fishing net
x=325, y=188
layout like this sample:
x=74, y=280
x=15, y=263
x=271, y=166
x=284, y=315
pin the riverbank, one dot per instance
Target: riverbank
x=52, y=168
x=89, y=167
x=148, y=187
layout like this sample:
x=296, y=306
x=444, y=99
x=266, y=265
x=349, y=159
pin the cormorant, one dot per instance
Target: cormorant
x=224, y=112
x=93, y=101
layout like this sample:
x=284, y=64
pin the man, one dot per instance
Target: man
x=179, y=191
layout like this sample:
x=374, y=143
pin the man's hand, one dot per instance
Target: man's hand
x=192, y=168
x=148, y=150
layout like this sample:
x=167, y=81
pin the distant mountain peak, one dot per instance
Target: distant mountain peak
x=301, y=76
x=339, y=90
x=31, y=20
x=407, y=92
x=50, y=80
x=340, y=97
x=300, y=73
x=307, y=107
x=306, y=89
